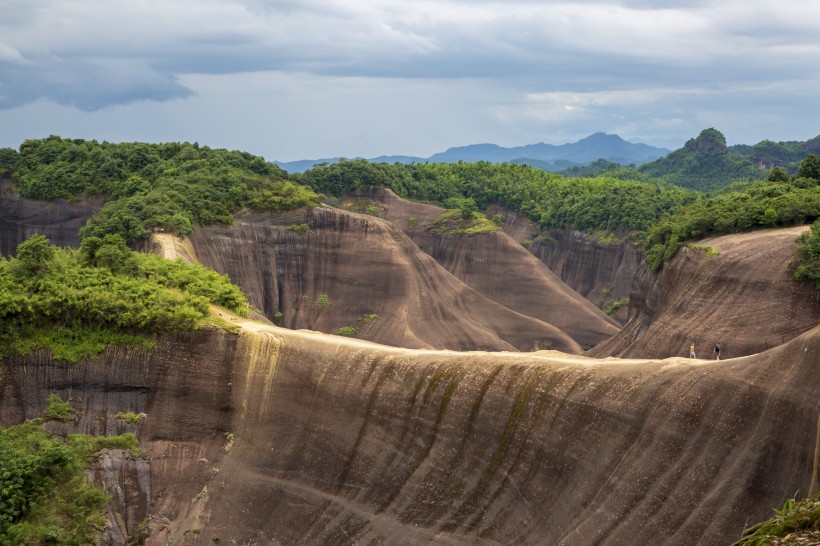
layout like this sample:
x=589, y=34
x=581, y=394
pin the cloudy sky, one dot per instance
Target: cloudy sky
x=296, y=79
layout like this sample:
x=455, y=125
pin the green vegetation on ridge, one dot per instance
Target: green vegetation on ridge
x=546, y=198
x=76, y=302
x=169, y=186
x=779, y=201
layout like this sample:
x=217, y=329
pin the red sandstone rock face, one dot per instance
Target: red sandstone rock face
x=342, y=441
x=601, y=272
x=745, y=299
x=366, y=265
x=21, y=217
x=501, y=269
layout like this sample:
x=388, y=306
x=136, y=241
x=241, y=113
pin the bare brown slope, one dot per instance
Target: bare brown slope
x=599, y=270
x=341, y=441
x=745, y=299
x=364, y=265
x=501, y=269
x=21, y=217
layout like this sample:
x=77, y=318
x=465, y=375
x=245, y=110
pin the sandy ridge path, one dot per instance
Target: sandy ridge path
x=170, y=248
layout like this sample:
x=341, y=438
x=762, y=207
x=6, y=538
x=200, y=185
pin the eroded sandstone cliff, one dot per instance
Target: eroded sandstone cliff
x=736, y=290
x=498, y=267
x=21, y=217
x=365, y=265
x=281, y=436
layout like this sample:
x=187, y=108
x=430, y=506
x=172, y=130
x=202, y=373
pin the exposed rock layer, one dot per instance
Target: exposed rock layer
x=342, y=441
x=21, y=217
x=498, y=267
x=600, y=271
x=364, y=265
x=745, y=299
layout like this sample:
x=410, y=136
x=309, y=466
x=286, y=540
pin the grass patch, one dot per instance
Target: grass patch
x=131, y=417
x=605, y=238
x=299, y=228
x=615, y=305
x=709, y=250
x=798, y=519
x=348, y=331
x=452, y=222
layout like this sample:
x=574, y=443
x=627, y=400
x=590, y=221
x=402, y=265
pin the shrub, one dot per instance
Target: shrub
x=299, y=228
x=808, y=256
x=131, y=417
x=58, y=409
x=349, y=331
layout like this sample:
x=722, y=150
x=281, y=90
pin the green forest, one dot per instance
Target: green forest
x=170, y=186
x=77, y=302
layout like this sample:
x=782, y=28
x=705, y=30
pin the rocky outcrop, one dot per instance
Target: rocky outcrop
x=363, y=265
x=598, y=268
x=499, y=268
x=736, y=290
x=281, y=436
x=59, y=220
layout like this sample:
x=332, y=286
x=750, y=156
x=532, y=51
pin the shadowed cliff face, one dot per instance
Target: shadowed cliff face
x=601, y=272
x=501, y=269
x=364, y=265
x=21, y=217
x=342, y=441
x=745, y=298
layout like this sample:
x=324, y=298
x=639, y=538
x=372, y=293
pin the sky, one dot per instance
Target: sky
x=308, y=79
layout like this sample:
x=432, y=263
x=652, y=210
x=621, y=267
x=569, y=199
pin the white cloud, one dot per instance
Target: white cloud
x=521, y=69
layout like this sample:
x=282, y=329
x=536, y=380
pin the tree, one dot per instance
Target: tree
x=808, y=256
x=35, y=252
x=810, y=167
x=778, y=175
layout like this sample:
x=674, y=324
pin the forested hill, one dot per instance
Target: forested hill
x=548, y=199
x=172, y=186
x=707, y=163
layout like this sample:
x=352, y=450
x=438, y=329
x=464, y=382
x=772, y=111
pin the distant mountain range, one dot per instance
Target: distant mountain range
x=544, y=156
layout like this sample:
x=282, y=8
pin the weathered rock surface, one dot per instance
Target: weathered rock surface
x=365, y=265
x=342, y=441
x=600, y=271
x=59, y=220
x=745, y=298
x=498, y=267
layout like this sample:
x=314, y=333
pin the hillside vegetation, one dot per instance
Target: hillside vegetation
x=548, y=199
x=46, y=498
x=76, y=302
x=169, y=186
x=781, y=200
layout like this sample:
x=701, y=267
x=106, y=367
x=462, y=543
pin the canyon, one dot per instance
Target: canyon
x=489, y=403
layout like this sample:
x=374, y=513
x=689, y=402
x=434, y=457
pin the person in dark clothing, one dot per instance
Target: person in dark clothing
x=717, y=351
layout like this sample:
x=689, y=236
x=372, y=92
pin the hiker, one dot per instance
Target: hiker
x=717, y=351
x=692, y=350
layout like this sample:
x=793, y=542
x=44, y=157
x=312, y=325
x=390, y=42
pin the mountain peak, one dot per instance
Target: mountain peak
x=709, y=140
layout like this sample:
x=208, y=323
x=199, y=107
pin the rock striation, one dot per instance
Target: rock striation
x=282, y=436
x=21, y=217
x=498, y=267
x=600, y=270
x=364, y=265
x=736, y=290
